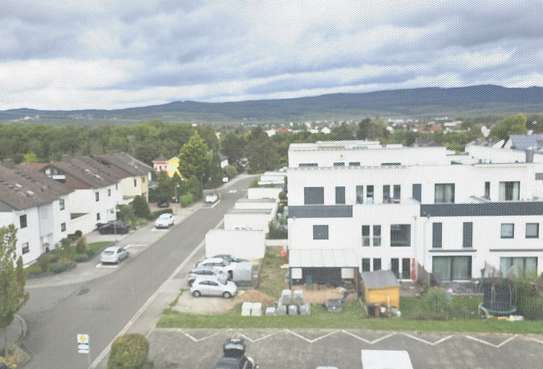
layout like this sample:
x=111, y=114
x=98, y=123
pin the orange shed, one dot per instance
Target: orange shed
x=381, y=288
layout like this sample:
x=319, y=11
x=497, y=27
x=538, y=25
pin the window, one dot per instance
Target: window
x=437, y=235
x=365, y=235
x=406, y=268
x=97, y=196
x=305, y=165
x=63, y=227
x=340, y=195
x=451, y=268
x=25, y=248
x=386, y=194
x=320, y=232
x=532, y=230
x=509, y=191
x=376, y=264
x=354, y=163
x=467, y=235
x=339, y=164
x=369, y=194
x=396, y=193
x=508, y=230
x=313, y=195
x=135, y=182
x=400, y=235
x=366, y=266
x=444, y=193
x=61, y=204
x=98, y=216
x=416, y=191
x=22, y=221
x=487, y=190
x=116, y=186
x=359, y=194
x=519, y=266
x=376, y=235
x=109, y=192
x=395, y=266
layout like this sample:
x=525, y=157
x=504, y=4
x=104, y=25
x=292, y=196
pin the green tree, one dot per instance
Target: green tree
x=165, y=187
x=141, y=208
x=194, y=158
x=12, y=281
x=515, y=124
x=261, y=152
x=130, y=351
x=233, y=147
x=371, y=130
x=30, y=157
x=342, y=132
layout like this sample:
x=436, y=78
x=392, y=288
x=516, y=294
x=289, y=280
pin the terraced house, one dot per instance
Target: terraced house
x=357, y=206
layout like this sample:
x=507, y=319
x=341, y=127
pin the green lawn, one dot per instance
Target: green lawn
x=352, y=317
x=272, y=277
x=95, y=248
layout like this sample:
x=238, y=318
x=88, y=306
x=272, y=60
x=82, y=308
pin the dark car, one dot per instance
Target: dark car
x=163, y=204
x=113, y=227
x=234, y=356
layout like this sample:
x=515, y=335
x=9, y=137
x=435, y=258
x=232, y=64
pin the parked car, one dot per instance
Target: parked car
x=113, y=227
x=211, y=198
x=213, y=287
x=234, y=356
x=113, y=255
x=164, y=221
x=163, y=204
x=237, y=271
x=204, y=272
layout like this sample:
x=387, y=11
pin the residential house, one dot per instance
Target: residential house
x=366, y=207
x=170, y=166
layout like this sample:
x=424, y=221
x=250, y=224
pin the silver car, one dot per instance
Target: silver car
x=204, y=272
x=113, y=255
x=213, y=287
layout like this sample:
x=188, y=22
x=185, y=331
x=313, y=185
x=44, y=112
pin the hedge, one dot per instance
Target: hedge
x=186, y=199
x=129, y=352
x=61, y=266
x=156, y=214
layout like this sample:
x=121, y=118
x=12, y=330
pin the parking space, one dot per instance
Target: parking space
x=301, y=349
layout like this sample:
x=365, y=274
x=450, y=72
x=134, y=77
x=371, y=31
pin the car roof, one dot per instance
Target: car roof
x=165, y=215
x=213, y=260
x=112, y=248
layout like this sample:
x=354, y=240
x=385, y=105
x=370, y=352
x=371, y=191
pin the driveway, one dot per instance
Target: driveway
x=105, y=306
x=308, y=349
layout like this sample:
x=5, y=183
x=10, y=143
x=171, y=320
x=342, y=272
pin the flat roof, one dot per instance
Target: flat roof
x=250, y=211
x=266, y=200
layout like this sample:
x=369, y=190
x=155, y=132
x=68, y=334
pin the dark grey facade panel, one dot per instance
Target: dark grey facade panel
x=539, y=176
x=516, y=250
x=446, y=251
x=482, y=209
x=320, y=211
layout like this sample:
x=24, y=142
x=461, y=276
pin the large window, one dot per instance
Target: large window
x=406, y=268
x=518, y=266
x=507, y=230
x=393, y=196
x=376, y=235
x=509, y=191
x=366, y=265
x=376, y=264
x=360, y=194
x=320, y=232
x=444, y=193
x=370, y=194
x=386, y=194
x=451, y=268
x=340, y=195
x=532, y=230
x=22, y=221
x=365, y=235
x=467, y=234
x=313, y=195
x=396, y=193
x=400, y=235
x=416, y=191
x=437, y=230
x=395, y=267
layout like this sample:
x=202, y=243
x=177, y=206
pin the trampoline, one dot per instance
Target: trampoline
x=497, y=298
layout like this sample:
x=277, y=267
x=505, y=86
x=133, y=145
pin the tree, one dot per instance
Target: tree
x=233, y=147
x=371, y=130
x=261, y=152
x=30, y=157
x=194, y=158
x=141, y=208
x=515, y=124
x=12, y=280
x=130, y=351
x=342, y=132
x=165, y=187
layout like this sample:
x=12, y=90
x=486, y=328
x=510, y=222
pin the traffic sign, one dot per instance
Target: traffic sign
x=83, y=344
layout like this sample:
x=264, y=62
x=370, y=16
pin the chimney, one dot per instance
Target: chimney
x=529, y=155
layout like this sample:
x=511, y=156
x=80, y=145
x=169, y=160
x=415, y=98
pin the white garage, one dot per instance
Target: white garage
x=242, y=244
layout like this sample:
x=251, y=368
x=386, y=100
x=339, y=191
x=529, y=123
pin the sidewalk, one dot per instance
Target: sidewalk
x=136, y=242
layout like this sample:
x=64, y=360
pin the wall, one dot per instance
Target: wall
x=257, y=205
x=83, y=201
x=242, y=244
x=128, y=191
x=30, y=234
x=263, y=193
x=259, y=222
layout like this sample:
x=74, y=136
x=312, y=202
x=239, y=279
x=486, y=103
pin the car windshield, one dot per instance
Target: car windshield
x=109, y=252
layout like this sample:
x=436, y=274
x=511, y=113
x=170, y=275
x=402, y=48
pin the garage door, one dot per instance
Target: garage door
x=322, y=276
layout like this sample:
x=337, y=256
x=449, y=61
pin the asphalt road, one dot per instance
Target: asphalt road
x=102, y=307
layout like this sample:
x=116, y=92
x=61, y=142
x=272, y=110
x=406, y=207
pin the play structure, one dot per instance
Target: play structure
x=497, y=298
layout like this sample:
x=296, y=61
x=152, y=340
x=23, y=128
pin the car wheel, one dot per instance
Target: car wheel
x=196, y=294
x=227, y=295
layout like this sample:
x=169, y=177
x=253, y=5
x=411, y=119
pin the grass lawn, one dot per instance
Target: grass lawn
x=272, y=277
x=95, y=248
x=352, y=317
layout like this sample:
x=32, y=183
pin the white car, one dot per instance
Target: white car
x=213, y=287
x=196, y=273
x=238, y=271
x=211, y=198
x=164, y=221
x=113, y=255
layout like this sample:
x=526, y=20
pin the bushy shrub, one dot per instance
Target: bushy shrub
x=61, y=265
x=81, y=258
x=46, y=259
x=141, y=207
x=186, y=199
x=81, y=246
x=527, y=300
x=435, y=304
x=277, y=231
x=156, y=214
x=34, y=269
x=230, y=171
x=129, y=352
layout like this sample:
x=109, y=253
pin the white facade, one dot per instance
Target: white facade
x=242, y=244
x=255, y=193
x=91, y=211
x=385, y=205
x=268, y=204
x=248, y=219
x=28, y=237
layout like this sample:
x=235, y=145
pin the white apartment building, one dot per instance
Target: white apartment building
x=37, y=207
x=359, y=206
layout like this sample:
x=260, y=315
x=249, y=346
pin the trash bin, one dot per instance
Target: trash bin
x=371, y=310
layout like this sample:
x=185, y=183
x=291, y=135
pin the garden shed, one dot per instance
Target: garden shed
x=381, y=288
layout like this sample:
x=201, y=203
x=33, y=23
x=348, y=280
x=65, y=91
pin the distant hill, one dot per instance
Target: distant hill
x=417, y=102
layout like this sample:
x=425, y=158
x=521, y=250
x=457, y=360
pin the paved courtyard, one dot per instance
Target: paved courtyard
x=308, y=349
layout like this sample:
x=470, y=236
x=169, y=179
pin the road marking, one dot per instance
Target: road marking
x=368, y=341
x=147, y=303
x=215, y=204
x=490, y=343
x=435, y=343
x=310, y=340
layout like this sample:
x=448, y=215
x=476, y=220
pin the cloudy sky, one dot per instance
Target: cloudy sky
x=68, y=54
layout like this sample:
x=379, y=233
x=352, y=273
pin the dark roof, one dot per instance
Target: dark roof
x=125, y=162
x=482, y=209
x=320, y=211
x=21, y=188
x=380, y=279
x=85, y=172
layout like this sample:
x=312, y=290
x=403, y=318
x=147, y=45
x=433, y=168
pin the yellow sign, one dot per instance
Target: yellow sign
x=83, y=339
